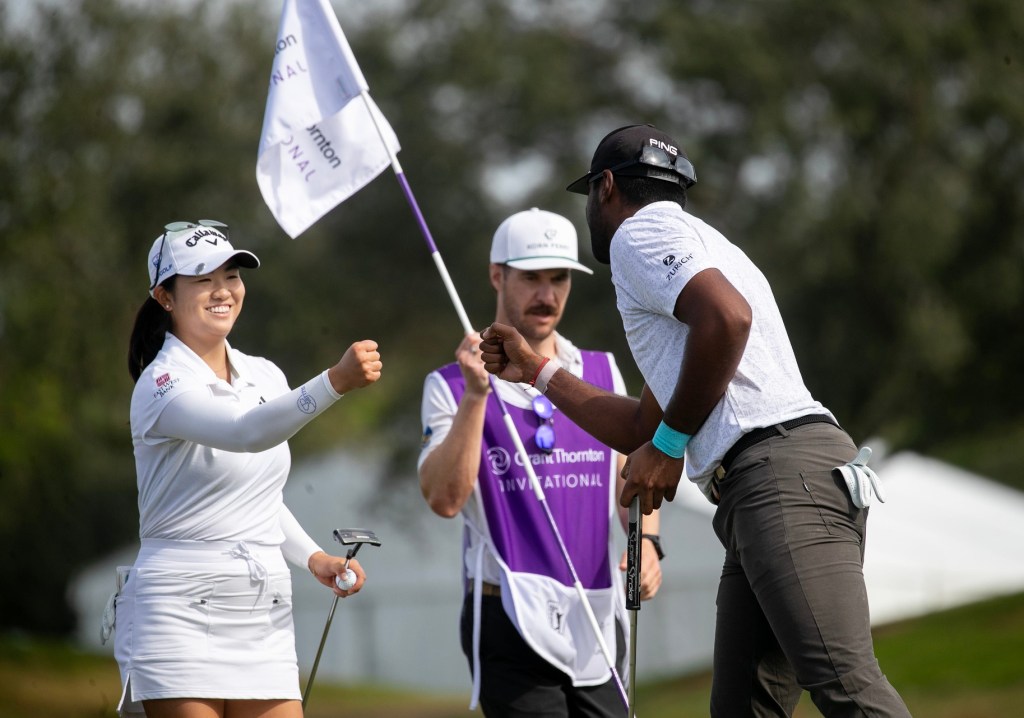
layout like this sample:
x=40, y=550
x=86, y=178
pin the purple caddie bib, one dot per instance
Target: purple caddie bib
x=575, y=480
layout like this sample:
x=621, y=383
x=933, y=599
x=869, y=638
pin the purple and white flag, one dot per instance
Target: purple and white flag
x=319, y=144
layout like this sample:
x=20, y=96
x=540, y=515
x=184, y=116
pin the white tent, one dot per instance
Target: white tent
x=944, y=537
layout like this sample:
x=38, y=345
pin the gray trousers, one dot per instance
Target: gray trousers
x=792, y=606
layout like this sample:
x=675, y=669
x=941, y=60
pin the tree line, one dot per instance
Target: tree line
x=869, y=158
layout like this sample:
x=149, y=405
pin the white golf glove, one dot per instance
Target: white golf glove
x=107, y=620
x=862, y=482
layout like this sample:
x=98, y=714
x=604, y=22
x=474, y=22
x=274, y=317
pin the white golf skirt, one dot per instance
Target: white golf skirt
x=205, y=619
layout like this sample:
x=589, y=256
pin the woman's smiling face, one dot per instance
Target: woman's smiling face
x=205, y=307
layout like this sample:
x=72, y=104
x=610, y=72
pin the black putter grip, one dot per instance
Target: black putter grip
x=633, y=541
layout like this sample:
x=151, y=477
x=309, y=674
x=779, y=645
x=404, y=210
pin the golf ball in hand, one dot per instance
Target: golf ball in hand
x=347, y=581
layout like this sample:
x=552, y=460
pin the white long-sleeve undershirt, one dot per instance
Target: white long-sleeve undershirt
x=192, y=416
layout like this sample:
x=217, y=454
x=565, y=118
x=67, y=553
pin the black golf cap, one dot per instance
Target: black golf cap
x=622, y=151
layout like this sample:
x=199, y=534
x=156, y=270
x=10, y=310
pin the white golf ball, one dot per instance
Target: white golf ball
x=347, y=581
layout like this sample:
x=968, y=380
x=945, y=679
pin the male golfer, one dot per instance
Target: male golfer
x=723, y=389
x=529, y=644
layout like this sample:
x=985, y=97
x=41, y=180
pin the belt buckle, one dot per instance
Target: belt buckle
x=719, y=472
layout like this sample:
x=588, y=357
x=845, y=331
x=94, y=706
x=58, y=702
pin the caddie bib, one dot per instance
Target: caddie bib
x=577, y=478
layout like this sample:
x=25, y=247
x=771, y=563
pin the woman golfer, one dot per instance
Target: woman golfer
x=204, y=622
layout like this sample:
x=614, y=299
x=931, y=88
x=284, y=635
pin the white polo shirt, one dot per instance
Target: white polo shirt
x=654, y=254
x=211, y=457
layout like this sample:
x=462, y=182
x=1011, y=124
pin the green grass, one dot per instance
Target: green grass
x=964, y=663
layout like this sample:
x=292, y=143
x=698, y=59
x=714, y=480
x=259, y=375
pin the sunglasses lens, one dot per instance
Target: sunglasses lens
x=656, y=157
x=545, y=437
x=179, y=226
x=542, y=407
x=686, y=168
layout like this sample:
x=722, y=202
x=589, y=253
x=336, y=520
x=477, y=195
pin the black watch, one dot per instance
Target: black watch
x=656, y=540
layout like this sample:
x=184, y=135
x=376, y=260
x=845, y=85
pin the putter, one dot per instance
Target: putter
x=634, y=535
x=349, y=537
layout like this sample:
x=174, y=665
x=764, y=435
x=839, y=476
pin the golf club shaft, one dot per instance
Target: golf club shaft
x=319, y=651
x=344, y=536
x=631, y=710
x=633, y=555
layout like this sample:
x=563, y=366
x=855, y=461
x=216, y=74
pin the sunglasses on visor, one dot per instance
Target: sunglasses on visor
x=180, y=227
x=657, y=157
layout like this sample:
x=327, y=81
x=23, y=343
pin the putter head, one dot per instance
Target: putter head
x=356, y=536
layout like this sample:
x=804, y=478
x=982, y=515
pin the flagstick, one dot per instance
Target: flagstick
x=513, y=433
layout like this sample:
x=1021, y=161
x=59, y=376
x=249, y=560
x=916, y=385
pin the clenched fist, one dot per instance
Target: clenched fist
x=360, y=366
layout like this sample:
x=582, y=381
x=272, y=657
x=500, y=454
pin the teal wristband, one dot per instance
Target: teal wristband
x=669, y=441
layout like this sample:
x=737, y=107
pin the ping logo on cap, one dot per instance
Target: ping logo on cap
x=671, y=149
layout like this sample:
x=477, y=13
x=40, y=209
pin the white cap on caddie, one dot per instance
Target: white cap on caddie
x=193, y=248
x=537, y=239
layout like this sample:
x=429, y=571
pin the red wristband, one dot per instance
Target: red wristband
x=534, y=379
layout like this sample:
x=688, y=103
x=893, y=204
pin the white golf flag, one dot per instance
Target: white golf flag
x=319, y=144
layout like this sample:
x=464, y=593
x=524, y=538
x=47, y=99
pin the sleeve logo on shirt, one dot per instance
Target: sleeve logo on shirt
x=164, y=383
x=428, y=434
x=675, y=264
x=305, y=402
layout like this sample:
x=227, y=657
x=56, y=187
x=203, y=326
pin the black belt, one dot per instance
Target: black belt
x=489, y=589
x=758, y=435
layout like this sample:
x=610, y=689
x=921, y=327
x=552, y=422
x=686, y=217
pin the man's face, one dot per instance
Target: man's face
x=531, y=300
